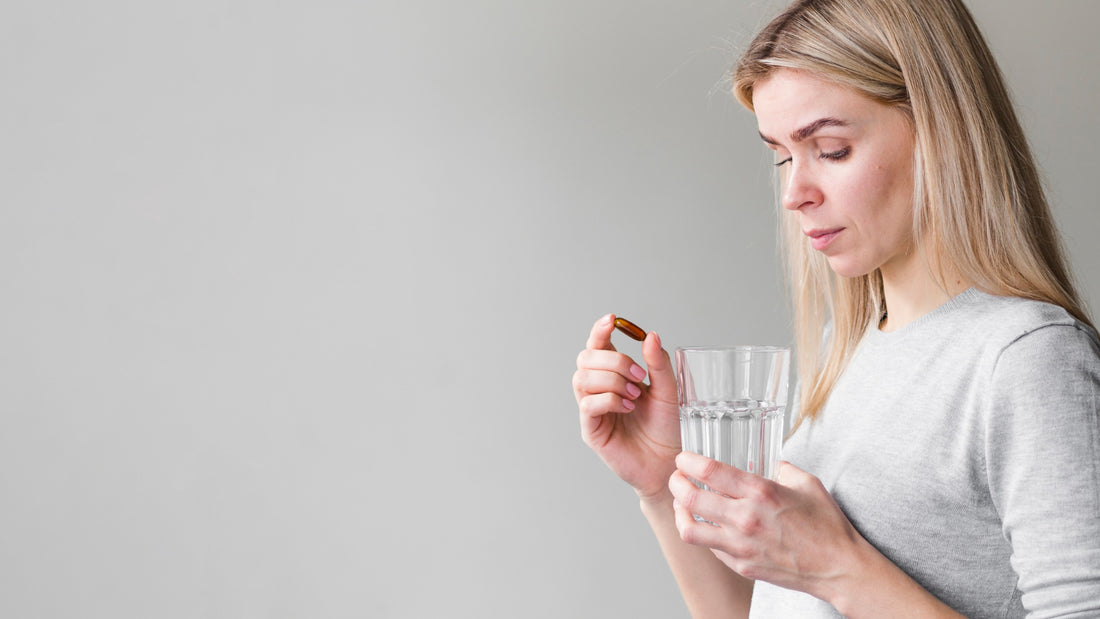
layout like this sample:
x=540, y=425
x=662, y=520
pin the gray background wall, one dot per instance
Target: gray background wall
x=292, y=291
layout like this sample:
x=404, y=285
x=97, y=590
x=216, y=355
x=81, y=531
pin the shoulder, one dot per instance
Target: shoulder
x=1003, y=339
x=1037, y=347
x=1017, y=315
x=1013, y=323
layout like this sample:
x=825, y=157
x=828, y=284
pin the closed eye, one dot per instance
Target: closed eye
x=838, y=154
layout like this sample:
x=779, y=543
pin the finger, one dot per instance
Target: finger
x=732, y=537
x=724, y=556
x=790, y=476
x=684, y=518
x=724, y=478
x=593, y=407
x=744, y=567
x=600, y=336
x=601, y=381
x=597, y=415
x=695, y=532
x=610, y=361
x=705, y=503
x=662, y=379
x=789, y=469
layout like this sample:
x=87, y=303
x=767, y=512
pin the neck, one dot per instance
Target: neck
x=911, y=290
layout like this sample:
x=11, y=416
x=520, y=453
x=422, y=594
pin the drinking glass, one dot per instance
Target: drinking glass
x=732, y=403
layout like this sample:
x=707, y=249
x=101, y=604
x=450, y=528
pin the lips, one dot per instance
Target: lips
x=820, y=238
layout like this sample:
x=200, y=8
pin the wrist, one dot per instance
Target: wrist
x=874, y=586
x=858, y=572
x=660, y=500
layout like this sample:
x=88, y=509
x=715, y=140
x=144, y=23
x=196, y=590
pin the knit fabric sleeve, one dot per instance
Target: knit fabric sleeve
x=1042, y=452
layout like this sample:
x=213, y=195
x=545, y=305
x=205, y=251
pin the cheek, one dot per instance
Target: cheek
x=886, y=195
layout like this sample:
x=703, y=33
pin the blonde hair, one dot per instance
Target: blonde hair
x=979, y=204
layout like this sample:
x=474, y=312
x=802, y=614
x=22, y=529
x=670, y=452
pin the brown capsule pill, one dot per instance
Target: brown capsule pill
x=629, y=328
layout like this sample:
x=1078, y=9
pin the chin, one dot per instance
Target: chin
x=848, y=268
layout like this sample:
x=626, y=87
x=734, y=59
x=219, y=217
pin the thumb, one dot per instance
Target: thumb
x=600, y=337
x=662, y=379
x=791, y=476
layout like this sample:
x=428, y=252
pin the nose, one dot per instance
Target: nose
x=800, y=188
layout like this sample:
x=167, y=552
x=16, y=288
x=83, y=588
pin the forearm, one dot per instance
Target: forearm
x=709, y=588
x=873, y=586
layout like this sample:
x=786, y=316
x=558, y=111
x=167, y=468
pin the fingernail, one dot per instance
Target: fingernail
x=606, y=320
x=657, y=338
x=637, y=372
x=628, y=405
x=632, y=390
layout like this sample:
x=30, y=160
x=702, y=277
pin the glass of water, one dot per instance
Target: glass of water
x=732, y=403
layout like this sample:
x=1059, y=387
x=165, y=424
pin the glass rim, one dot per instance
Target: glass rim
x=751, y=348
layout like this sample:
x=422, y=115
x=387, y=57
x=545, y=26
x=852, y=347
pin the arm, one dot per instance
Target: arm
x=709, y=588
x=635, y=429
x=793, y=535
x=1043, y=466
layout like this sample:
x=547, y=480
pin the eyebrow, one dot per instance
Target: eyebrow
x=801, y=134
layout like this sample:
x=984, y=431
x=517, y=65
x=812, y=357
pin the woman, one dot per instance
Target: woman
x=946, y=454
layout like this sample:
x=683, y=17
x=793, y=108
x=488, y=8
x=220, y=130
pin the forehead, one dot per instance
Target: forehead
x=789, y=99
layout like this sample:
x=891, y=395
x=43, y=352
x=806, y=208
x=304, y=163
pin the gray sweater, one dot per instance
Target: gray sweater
x=966, y=448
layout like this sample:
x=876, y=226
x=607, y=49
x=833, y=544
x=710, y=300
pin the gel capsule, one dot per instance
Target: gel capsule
x=629, y=328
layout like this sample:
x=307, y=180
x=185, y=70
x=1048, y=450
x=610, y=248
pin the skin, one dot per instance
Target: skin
x=855, y=176
x=848, y=177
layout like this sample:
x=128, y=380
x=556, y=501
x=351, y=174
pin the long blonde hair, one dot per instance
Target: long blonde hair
x=979, y=204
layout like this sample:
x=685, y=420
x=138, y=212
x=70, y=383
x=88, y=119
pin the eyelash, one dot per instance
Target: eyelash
x=837, y=155
x=833, y=156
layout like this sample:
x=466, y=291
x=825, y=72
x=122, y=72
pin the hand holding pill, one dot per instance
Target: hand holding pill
x=631, y=423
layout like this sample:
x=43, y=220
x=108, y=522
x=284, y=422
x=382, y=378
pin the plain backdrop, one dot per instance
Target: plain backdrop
x=292, y=291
